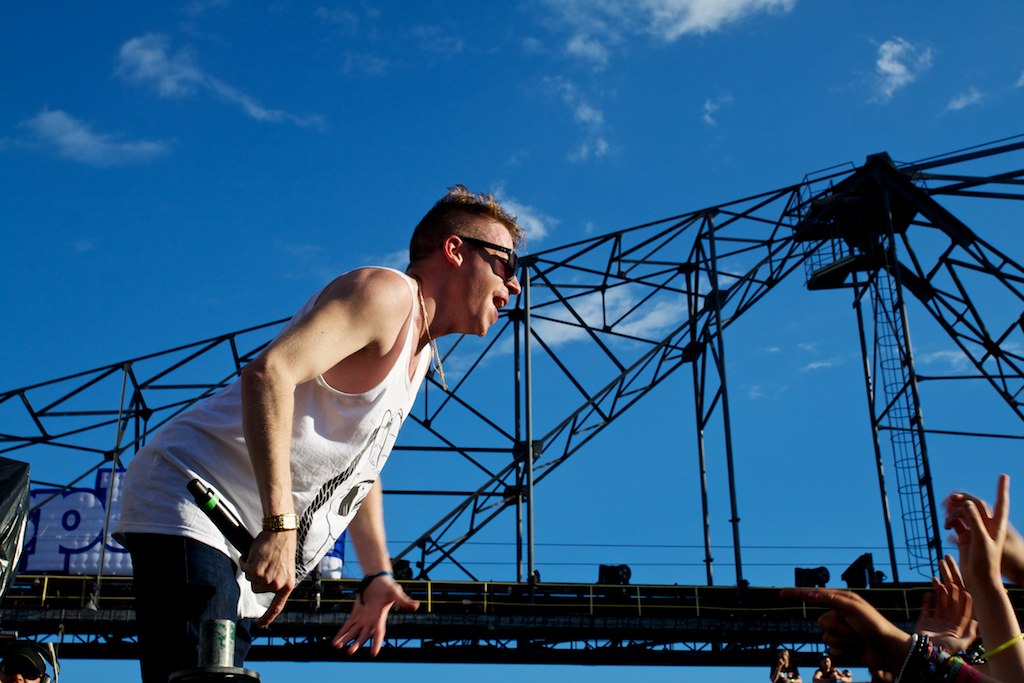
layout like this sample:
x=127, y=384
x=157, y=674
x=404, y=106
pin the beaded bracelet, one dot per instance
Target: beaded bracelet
x=910, y=653
x=927, y=662
x=365, y=583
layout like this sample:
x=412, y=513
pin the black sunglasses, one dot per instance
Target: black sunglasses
x=510, y=262
x=27, y=671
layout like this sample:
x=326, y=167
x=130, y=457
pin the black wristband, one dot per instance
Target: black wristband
x=365, y=583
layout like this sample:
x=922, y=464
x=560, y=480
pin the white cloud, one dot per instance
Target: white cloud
x=306, y=261
x=589, y=49
x=670, y=19
x=955, y=360
x=197, y=8
x=595, y=26
x=711, y=107
x=709, y=113
x=589, y=115
x=648, y=322
x=73, y=139
x=1020, y=81
x=807, y=346
x=346, y=20
x=595, y=147
x=148, y=61
x=433, y=39
x=819, y=365
x=964, y=100
x=533, y=46
x=145, y=60
x=771, y=390
x=899, y=63
x=534, y=223
x=594, y=144
x=397, y=259
x=365, y=64
x=663, y=316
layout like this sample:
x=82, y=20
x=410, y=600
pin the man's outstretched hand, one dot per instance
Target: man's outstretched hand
x=368, y=620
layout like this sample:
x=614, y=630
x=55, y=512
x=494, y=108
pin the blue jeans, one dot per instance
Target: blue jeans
x=180, y=583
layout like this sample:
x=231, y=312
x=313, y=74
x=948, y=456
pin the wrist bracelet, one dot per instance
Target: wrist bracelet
x=1004, y=646
x=365, y=583
x=910, y=653
x=285, y=522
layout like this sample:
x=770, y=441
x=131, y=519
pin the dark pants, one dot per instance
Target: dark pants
x=179, y=583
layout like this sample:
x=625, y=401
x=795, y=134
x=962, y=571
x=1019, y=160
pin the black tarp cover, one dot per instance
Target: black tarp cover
x=14, y=477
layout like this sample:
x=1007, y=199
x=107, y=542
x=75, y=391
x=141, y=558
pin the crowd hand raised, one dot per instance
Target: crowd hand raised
x=368, y=620
x=947, y=614
x=270, y=568
x=855, y=630
x=981, y=534
x=1012, y=561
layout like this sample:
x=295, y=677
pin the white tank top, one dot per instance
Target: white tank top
x=340, y=443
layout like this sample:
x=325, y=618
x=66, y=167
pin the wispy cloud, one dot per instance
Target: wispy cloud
x=397, y=259
x=711, y=107
x=964, y=100
x=435, y=39
x=589, y=49
x=590, y=118
x=670, y=19
x=1020, y=81
x=820, y=364
x=646, y=322
x=535, y=223
x=898, y=64
x=306, y=261
x=344, y=19
x=954, y=360
x=76, y=140
x=364, y=64
x=147, y=60
x=196, y=8
x=596, y=27
x=770, y=391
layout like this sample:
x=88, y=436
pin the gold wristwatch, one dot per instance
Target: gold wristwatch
x=285, y=522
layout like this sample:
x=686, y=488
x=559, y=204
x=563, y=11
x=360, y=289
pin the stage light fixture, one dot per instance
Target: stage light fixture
x=815, y=577
x=402, y=570
x=614, y=574
x=861, y=573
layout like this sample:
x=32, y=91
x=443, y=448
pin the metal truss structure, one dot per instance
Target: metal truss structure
x=548, y=623
x=604, y=321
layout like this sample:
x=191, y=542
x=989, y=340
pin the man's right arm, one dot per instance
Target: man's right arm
x=361, y=312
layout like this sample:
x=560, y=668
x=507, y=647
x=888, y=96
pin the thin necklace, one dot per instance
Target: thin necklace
x=426, y=326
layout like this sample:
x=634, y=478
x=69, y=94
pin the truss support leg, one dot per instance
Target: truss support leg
x=698, y=404
x=528, y=381
x=903, y=405
x=718, y=352
x=879, y=465
x=518, y=392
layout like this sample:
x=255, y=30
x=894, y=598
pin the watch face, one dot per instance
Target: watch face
x=285, y=522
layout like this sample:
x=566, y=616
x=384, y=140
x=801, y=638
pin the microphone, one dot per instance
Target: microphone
x=208, y=499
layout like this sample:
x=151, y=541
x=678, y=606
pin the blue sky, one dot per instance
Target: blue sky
x=173, y=171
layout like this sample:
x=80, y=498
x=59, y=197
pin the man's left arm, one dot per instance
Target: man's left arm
x=368, y=620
